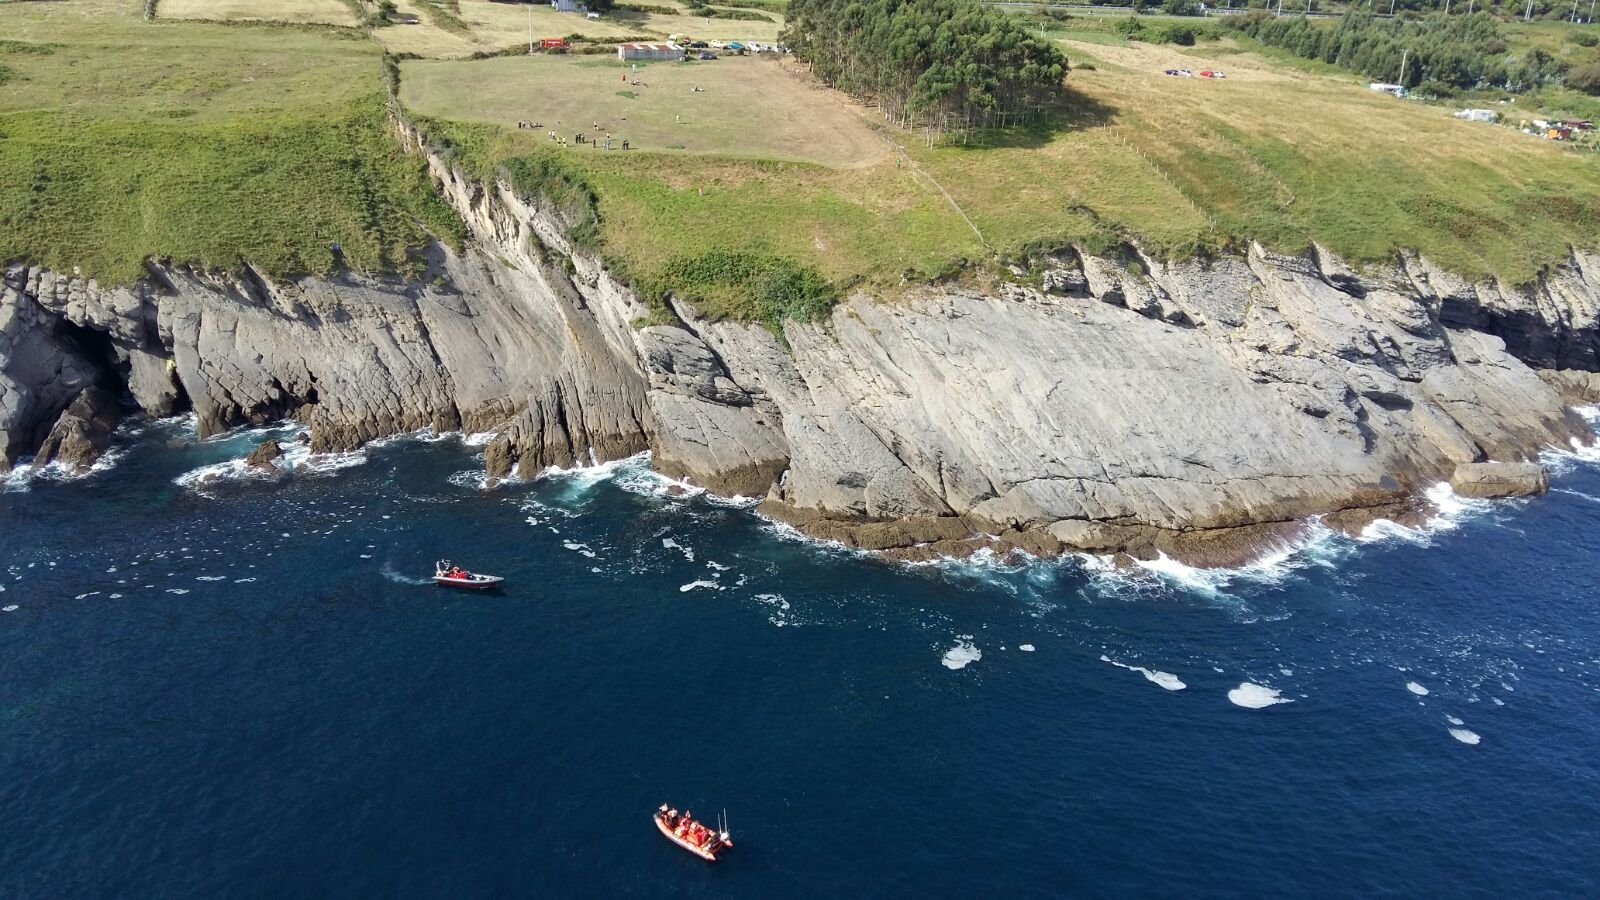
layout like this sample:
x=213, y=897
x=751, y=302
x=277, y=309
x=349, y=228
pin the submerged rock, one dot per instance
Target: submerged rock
x=1489, y=480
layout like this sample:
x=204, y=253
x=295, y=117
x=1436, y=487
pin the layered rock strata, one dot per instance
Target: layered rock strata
x=1202, y=409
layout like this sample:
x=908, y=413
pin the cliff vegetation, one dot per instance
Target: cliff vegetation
x=204, y=143
x=218, y=143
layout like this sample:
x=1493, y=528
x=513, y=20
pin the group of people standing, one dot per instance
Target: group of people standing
x=685, y=827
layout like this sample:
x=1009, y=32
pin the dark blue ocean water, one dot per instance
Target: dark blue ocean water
x=241, y=689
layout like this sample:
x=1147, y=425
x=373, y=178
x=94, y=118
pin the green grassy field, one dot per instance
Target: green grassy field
x=874, y=224
x=216, y=143
x=205, y=143
x=1282, y=154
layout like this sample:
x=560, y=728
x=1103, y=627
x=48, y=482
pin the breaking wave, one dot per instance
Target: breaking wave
x=24, y=475
x=297, y=459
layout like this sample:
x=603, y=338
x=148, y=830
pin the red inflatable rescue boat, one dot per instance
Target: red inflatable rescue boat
x=693, y=836
x=454, y=576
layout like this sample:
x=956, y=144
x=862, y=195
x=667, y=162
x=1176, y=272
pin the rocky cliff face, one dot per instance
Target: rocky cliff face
x=1196, y=408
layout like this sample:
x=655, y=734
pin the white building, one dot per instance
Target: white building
x=649, y=51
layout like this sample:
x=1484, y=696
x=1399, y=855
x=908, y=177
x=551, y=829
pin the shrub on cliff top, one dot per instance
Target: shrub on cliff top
x=562, y=187
x=747, y=286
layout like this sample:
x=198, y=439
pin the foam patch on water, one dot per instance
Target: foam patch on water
x=696, y=585
x=780, y=609
x=1256, y=696
x=1465, y=736
x=670, y=544
x=963, y=654
x=472, y=479
x=1166, y=679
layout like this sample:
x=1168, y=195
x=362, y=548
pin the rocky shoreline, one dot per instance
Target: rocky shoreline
x=1203, y=409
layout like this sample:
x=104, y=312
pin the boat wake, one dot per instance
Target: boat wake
x=389, y=572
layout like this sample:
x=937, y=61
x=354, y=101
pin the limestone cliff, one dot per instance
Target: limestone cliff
x=1195, y=408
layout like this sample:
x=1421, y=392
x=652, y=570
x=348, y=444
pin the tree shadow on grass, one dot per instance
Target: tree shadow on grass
x=1073, y=112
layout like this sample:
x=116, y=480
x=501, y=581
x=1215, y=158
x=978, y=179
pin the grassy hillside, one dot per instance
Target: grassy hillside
x=1277, y=153
x=1284, y=156
x=206, y=143
x=216, y=143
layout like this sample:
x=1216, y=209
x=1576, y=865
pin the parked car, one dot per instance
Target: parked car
x=705, y=54
x=698, y=45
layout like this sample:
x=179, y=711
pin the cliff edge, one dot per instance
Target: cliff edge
x=1201, y=409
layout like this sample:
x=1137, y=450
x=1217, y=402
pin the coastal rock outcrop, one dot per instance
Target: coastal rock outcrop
x=83, y=432
x=1489, y=480
x=265, y=457
x=1202, y=409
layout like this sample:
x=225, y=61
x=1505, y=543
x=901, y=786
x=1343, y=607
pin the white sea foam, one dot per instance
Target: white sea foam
x=1256, y=696
x=1166, y=679
x=581, y=549
x=1417, y=689
x=9, y=608
x=583, y=477
x=297, y=459
x=1562, y=460
x=1025, y=648
x=695, y=585
x=23, y=476
x=1453, y=720
x=1465, y=736
x=211, y=578
x=780, y=609
x=468, y=478
x=963, y=654
x=670, y=544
